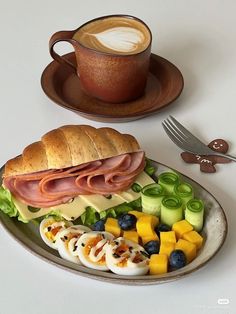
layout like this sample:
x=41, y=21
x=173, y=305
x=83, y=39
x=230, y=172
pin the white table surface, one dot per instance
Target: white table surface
x=197, y=36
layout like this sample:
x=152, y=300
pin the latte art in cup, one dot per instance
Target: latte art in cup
x=118, y=35
x=122, y=39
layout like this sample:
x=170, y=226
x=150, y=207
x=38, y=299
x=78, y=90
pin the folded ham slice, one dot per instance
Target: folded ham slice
x=54, y=187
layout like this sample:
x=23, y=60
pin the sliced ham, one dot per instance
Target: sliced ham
x=103, y=184
x=53, y=187
x=56, y=185
x=137, y=162
x=28, y=192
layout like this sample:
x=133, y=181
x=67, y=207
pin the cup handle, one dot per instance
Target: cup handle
x=58, y=37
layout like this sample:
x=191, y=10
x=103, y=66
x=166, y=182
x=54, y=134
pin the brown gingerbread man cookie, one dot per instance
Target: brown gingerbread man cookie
x=207, y=163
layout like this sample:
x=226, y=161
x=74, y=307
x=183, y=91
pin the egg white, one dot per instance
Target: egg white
x=92, y=260
x=130, y=268
x=66, y=245
x=48, y=223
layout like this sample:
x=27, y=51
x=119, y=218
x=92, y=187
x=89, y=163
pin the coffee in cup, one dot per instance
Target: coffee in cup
x=112, y=56
x=116, y=35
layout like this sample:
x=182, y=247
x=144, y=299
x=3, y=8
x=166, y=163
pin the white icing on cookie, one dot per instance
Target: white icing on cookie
x=206, y=161
x=217, y=146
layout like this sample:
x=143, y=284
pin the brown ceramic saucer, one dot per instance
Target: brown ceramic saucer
x=61, y=85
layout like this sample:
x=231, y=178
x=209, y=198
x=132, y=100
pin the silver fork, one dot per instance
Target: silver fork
x=187, y=141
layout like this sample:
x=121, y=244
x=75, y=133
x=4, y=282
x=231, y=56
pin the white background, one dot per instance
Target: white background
x=200, y=38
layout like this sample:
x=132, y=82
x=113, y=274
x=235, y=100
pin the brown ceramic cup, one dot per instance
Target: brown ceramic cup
x=108, y=76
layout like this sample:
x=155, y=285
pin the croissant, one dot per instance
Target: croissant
x=68, y=146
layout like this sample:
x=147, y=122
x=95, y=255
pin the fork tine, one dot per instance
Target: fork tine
x=177, y=130
x=173, y=137
x=184, y=146
x=183, y=129
x=174, y=132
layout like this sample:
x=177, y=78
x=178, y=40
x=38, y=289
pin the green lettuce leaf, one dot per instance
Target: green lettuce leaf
x=22, y=219
x=56, y=215
x=137, y=204
x=107, y=213
x=90, y=216
x=6, y=203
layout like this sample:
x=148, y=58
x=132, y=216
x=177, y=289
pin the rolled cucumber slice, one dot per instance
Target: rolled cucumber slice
x=184, y=191
x=151, y=196
x=171, y=210
x=194, y=213
x=168, y=180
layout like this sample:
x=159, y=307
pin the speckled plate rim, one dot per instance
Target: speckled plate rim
x=46, y=81
x=45, y=255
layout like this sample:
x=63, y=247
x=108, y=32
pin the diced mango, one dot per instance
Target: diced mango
x=112, y=226
x=158, y=264
x=194, y=237
x=168, y=236
x=181, y=227
x=145, y=225
x=136, y=213
x=188, y=248
x=131, y=235
x=155, y=220
x=167, y=248
x=147, y=239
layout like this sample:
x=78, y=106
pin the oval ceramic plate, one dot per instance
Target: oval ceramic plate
x=214, y=232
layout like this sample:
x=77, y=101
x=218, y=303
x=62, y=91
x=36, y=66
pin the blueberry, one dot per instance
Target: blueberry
x=127, y=221
x=99, y=225
x=152, y=247
x=161, y=228
x=177, y=259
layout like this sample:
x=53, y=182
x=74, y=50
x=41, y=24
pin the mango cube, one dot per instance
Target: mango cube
x=145, y=225
x=131, y=235
x=136, y=213
x=112, y=226
x=181, y=227
x=167, y=248
x=188, y=248
x=158, y=264
x=152, y=238
x=194, y=237
x=168, y=236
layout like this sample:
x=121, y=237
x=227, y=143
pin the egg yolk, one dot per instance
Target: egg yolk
x=92, y=243
x=52, y=233
x=121, y=250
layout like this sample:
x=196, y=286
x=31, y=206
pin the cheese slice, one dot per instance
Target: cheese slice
x=100, y=202
x=129, y=195
x=77, y=207
x=69, y=211
x=144, y=179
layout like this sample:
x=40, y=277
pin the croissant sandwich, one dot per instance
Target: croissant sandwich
x=69, y=169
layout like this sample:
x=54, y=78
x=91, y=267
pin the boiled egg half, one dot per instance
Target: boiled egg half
x=49, y=228
x=66, y=242
x=91, y=249
x=125, y=257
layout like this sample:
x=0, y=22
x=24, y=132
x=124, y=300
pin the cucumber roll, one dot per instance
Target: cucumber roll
x=168, y=180
x=151, y=196
x=194, y=213
x=171, y=210
x=184, y=191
